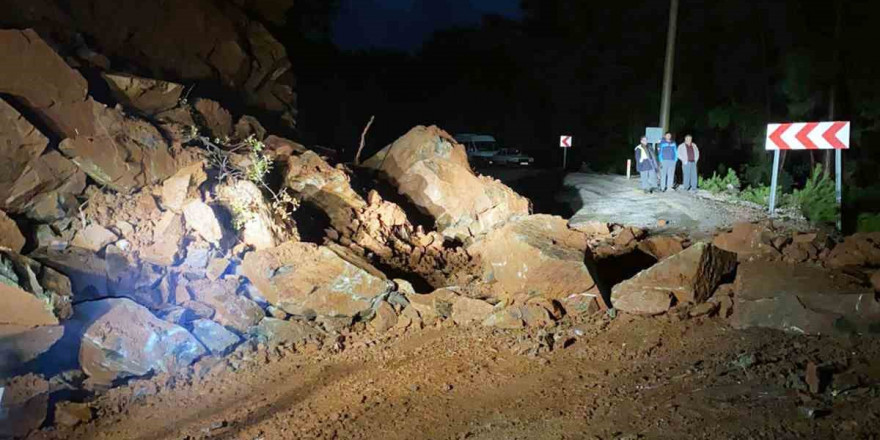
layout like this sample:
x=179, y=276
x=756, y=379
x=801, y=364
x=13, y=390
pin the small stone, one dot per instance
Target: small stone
x=217, y=338
x=216, y=268
x=71, y=414
x=706, y=308
x=404, y=286
x=94, y=237
x=197, y=255
x=277, y=313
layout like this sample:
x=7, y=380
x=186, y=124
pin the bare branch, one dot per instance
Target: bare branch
x=357, y=157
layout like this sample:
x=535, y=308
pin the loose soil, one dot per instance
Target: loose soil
x=628, y=377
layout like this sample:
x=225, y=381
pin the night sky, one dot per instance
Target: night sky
x=405, y=24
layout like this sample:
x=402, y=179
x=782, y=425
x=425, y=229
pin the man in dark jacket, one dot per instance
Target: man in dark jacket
x=646, y=165
x=668, y=157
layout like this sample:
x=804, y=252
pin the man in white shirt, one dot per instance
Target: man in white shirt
x=689, y=155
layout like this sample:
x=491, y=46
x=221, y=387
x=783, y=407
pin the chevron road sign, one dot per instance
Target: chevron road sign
x=808, y=136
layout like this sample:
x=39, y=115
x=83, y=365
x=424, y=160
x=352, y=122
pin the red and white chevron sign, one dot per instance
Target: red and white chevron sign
x=808, y=136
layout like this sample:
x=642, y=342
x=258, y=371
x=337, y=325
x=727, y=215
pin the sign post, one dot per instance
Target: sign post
x=565, y=144
x=808, y=136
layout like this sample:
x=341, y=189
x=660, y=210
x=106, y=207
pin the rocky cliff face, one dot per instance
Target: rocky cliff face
x=185, y=41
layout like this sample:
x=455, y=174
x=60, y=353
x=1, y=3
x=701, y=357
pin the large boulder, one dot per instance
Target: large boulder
x=313, y=180
x=119, y=152
x=431, y=170
x=123, y=339
x=149, y=96
x=308, y=280
x=749, y=241
x=536, y=254
x=230, y=309
x=28, y=326
x=10, y=235
x=25, y=405
x=27, y=178
x=803, y=299
x=251, y=214
x=687, y=277
x=20, y=145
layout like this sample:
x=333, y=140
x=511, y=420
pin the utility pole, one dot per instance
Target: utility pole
x=670, y=64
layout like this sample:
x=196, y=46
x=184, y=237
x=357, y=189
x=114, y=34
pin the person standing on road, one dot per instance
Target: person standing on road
x=646, y=165
x=667, y=162
x=689, y=154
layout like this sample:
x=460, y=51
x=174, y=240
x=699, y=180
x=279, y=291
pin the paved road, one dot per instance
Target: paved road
x=614, y=199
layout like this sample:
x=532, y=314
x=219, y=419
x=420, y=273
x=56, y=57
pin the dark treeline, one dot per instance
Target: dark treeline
x=594, y=70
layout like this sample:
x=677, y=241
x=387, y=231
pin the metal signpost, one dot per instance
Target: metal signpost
x=807, y=136
x=565, y=144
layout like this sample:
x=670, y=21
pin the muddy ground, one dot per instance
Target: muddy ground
x=627, y=377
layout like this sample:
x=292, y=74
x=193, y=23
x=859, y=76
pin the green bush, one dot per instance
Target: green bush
x=869, y=222
x=759, y=195
x=717, y=184
x=817, y=200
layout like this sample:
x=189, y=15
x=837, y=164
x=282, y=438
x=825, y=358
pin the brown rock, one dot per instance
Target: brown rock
x=689, y=276
x=21, y=344
x=384, y=319
x=10, y=235
x=216, y=268
x=201, y=218
x=286, y=332
x=315, y=181
x=230, y=309
x=466, y=311
x=725, y=305
x=431, y=169
x=183, y=185
x=536, y=254
x=706, y=308
x=308, y=280
x=591, y=227
x=149, y=96
x=251, y=214
x=248, y=126
x=93, y=237
x=582, y=303
x=23, y=309
x=71, y=414
x=118, y=152
x=282, y=149
x=862, y=249
x=45, y=189
x=20, y=146
x=662, y=246
x=749, y=241
x=875, y=280
x=26, y=403
x=433, y=306
x=802, y=299
x=123, y=339
x=217, y=119
x=519, y=316
x=627, y=236
x=168, y=237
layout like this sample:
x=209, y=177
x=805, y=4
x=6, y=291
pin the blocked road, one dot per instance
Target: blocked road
x=614, y=199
